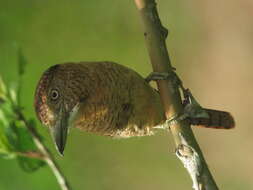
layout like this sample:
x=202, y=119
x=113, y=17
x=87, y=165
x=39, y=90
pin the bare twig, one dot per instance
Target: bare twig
x=31, y=154
x=45, y=153
x=187, y=148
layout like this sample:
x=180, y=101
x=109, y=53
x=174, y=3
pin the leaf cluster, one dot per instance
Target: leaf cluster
x=15, y=140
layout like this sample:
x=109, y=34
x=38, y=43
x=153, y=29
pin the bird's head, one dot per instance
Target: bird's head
x=57, y=101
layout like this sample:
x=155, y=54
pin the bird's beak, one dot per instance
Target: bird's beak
x=60, y=130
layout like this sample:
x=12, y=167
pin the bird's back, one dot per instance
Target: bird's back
x=119, y=101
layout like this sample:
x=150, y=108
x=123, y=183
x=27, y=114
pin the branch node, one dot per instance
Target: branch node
x=191, y=161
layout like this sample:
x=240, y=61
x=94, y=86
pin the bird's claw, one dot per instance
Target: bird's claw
x=174, y=120
x=155, y=76
x=192, y=108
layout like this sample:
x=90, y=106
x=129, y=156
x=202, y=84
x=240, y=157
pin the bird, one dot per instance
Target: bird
x=105, y=98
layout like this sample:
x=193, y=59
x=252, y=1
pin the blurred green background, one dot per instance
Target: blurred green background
x=211, y=45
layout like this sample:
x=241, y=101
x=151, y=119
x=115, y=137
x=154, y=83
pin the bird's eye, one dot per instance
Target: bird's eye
x=54, y=94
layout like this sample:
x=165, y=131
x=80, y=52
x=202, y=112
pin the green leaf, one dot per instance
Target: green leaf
x=5, y=147
x=24, y=143
x=15, y=139
x=3, y=90
x=30, y=164
x=3, y=118
x=21, y=62
x=13, y=93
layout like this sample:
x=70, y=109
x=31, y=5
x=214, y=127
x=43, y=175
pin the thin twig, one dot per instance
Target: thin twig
x=45, y=153
x=187, y=148
x=31, y=154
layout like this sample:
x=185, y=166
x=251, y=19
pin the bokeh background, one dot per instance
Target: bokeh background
x=211, y=45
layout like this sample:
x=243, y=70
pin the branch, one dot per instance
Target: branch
x=45, y=153
x=187, y=148
x=32, y=154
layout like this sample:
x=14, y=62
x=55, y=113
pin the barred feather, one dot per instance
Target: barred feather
x=217, y=119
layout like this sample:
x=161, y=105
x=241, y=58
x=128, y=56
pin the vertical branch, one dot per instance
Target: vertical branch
x=46, y=155
x=187, y=148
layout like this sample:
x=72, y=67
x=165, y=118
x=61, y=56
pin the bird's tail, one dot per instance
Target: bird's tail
x=217, y=119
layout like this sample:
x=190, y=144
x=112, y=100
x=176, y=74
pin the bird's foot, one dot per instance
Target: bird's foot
x=174, y=120
x=155, y=76
x=171, y=76
x=192, y=109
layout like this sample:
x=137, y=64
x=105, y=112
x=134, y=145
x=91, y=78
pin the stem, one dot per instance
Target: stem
x=46, y=154
x=187, y=148
x=32, y=154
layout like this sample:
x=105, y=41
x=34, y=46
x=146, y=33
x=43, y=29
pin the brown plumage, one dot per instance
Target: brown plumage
x=104, y=98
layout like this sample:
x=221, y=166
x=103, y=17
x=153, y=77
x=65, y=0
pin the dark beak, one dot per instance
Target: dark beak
x=60, y=130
